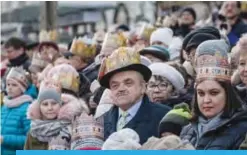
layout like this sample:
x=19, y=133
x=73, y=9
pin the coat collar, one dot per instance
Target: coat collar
x=141, y=115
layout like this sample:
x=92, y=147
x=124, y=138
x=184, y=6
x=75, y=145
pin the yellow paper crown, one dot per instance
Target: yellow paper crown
x=66, y=77
x=37, y=61
x=48, y=36
x=213, y=67
x=114, y=40
x=83, y=47
x=121, y=57
x=145, y=32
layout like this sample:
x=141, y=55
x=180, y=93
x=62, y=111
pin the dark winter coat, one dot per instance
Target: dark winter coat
x=227, y=135
x=145, y=122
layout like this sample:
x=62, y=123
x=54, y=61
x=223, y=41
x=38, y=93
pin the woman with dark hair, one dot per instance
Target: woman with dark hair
x=219, y=122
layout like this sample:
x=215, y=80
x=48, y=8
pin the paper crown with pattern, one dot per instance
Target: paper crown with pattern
x=18, y=74
x=67, y=76
x=145, y=32
x=113, y=41
x=50, y=83
x=212, y=61
x=37, y=64
x=87, y=133
x=122, y=59
x=47, y=36
x=83, y=47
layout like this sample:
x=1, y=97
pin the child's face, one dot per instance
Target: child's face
x=49, y=109
x=13, y=89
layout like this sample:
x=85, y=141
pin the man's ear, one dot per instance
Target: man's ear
x=144, y=87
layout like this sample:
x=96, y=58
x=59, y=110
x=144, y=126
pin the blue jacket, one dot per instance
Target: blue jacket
x=14, y=127
x=145, y=122
x=237, y=30
x=227, y=135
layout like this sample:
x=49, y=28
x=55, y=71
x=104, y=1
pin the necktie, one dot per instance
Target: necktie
x=122, y=121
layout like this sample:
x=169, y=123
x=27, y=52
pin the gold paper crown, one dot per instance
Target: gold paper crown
x=83, y=47
x=121, y=57
x=50, y=83
x=145, y=32
x=18, y=73
x=66, y=77
x=213, y=67
x=114, y=40
x=37, y=61
x=48, y=36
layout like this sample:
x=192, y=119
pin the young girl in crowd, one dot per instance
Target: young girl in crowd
x=14, y=122
x=49, y=121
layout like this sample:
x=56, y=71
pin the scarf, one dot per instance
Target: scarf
x=19, y=60
x=45, y=130
x=205, y=125
x=12, y=103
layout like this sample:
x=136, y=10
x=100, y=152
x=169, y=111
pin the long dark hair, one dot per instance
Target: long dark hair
x=233, y=102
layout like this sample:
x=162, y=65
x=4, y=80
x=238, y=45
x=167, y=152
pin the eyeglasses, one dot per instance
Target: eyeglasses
x=161, y=86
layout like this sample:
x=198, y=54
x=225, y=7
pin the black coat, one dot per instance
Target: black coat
x=145, y=122
x=227, y=135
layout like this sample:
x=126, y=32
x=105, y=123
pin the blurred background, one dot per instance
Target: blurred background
x=26, y=18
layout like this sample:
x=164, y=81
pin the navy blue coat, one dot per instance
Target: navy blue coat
x=227, y=135
x=145, y=122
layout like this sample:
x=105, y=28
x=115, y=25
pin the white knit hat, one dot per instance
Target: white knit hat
x=163, y=35
x=125, y=139
x=172, y=75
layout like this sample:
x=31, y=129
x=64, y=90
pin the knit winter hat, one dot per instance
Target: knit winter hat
x=197, y=39
x=19, y=76
x=49, y=93
x=125, y=139
x=212, y=60
x=67, y=76
x=207, y=30
x=157, y=51
x=191, y=11
x=163, y=35
x=175, y=119
x=168, y=72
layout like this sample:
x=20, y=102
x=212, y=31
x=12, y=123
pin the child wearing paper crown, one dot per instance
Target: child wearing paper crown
x=14, y=122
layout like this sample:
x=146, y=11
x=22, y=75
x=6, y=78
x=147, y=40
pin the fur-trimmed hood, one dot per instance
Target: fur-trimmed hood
x=72, y=107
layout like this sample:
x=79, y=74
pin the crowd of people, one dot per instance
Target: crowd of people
x=170, y=85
